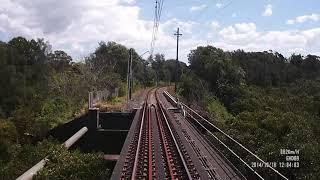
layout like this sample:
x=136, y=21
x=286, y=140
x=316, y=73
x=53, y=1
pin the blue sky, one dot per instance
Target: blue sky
x=246, y=10
x=76, y=26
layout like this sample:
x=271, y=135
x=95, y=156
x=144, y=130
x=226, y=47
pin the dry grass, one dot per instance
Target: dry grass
x=117, y=104
x=170, y=89
x=82, y=111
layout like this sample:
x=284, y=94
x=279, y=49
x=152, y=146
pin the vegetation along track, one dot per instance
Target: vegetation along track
x=205, y=126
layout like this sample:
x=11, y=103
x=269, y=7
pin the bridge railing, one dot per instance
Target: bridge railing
x=208, y=128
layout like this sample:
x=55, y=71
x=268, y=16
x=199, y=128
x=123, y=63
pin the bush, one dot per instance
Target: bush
x=75, y=165
x=218, y=111
x=23, y=157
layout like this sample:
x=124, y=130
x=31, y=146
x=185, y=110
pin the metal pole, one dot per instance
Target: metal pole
x=89, y=101
x=131, y=85
x=128, y=78
x=177, y=60
x=130, y=75
x=68, y=143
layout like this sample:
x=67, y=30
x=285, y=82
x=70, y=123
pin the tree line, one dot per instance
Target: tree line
x=264, y=100
x=42, y=88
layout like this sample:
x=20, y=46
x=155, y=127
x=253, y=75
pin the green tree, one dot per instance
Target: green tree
x=59, y=60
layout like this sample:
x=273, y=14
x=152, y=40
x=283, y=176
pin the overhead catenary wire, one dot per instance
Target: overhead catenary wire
x=156, y=22
x=160, y=9
x=155, y=28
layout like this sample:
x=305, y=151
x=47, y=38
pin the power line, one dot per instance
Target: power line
x=153, y=30
x=160, y=9
x=155, y=19
x=156, y=22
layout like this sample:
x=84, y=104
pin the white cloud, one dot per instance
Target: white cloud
x=129, y=1
x=305, y=18
x=245, y=36
x=312, y=17
x=198, y=8
x=267, y=10
x=172, y=24
x=239, y=33
x=290, y=21
x=77, y=26
x=219, y=5
x=214, y=25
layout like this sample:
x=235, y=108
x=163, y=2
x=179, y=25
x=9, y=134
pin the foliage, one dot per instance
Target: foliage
x=8, y=135
x=165, y=70
x=187, y=89
x=216, y=67
x=23, y=157
x=272, y=69
x=63, y=164
x=268, y=102
x=217, y=110
x=41, y=89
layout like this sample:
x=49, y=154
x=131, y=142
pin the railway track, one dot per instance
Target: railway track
x=205, y=127
x=163, y=144
x=156, y=151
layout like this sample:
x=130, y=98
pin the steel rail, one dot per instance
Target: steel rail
x=135, y=164
x=149, y=144
x=166, y=153
x=173, y=138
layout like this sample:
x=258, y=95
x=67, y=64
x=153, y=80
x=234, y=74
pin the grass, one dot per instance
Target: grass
x=116, y=104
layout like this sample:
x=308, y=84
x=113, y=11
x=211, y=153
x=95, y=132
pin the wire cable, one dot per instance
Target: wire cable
x=156, y=23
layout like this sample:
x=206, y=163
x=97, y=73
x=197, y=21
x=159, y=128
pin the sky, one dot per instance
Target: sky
x=76, y=26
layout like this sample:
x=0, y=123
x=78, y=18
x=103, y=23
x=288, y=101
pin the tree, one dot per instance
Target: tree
x=296, y=59
x=170, y=66
x=216, y=67
x=59, y=60
x=109, y=58
x=277, y=105
x=157, y=66
x=311, y=66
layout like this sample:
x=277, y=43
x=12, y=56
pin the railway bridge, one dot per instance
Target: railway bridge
x=161, y=138
x=162, y=145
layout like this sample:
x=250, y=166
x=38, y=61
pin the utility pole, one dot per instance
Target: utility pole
x=129, y=76
x=177, y=60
